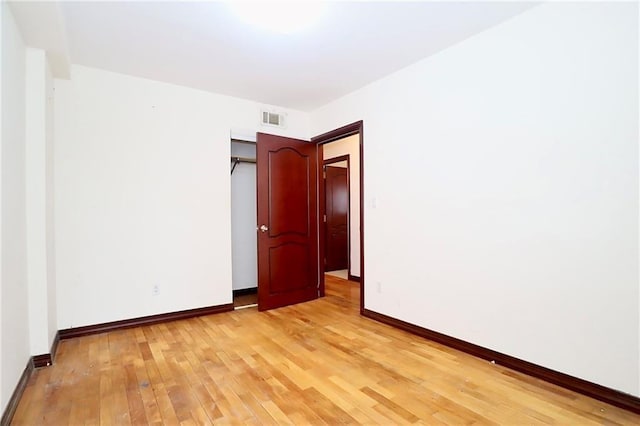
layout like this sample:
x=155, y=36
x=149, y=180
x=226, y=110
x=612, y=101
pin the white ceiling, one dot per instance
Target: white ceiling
x=205, y=46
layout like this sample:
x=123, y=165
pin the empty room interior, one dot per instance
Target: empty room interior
x=319, y=212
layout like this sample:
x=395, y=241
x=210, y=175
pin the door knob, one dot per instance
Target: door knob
x=264, y=228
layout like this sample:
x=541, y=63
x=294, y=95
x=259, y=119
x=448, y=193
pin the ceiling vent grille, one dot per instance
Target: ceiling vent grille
x=270, y=118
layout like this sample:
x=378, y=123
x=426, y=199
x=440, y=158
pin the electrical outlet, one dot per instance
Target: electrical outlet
x=379, y=286
x=155, y=290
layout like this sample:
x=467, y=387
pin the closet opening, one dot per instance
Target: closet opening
x=244, y=242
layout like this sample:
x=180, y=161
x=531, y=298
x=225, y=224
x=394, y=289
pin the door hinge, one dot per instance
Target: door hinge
x=325, y=218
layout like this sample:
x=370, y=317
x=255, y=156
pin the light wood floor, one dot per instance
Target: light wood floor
x=314, y=363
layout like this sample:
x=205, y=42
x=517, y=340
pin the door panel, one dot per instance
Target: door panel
x=337, y=225
x=287, y=207
x=287, y=267
x=289, y=203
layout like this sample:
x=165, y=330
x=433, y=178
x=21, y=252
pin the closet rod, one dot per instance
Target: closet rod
x=233, y=140
x=243, y=160
x=237, y=160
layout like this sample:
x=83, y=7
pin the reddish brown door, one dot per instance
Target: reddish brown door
x=287, y=221
x=337, y=225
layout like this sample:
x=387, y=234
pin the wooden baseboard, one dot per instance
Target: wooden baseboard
x=46, y=360
x=54, y=346
x=7, y=416
x=70, y=333
x=40, y=361
x=245, y=291
x=353, y=278
x=602, y=393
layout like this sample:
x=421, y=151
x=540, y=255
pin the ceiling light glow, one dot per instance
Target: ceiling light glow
x=283, y=17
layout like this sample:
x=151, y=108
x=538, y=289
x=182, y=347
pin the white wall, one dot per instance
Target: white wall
x=2, y=72
x=52, y=302
x=142, y=195
x=350, y=146
x=14, y=332
x=244, y=219
x=39, y=209
x=505, y=174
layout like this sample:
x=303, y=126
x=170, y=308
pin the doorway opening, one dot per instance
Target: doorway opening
x=343, y=144
x=337, y=214
x=341, y=208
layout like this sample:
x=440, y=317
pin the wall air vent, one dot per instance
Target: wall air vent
x=270, y=118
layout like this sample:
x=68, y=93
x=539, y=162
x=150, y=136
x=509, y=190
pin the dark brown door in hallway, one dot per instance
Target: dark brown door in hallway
x=287, y=174
x=337, y=223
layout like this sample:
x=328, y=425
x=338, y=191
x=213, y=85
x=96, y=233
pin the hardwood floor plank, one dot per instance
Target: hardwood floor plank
x=106, y=399
x=275, y=412
x=325, y=408
x=80, y=413
x=315, y=363
x=406, y=415
x=165, y=405
x=147, y=396
x=134, y=398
